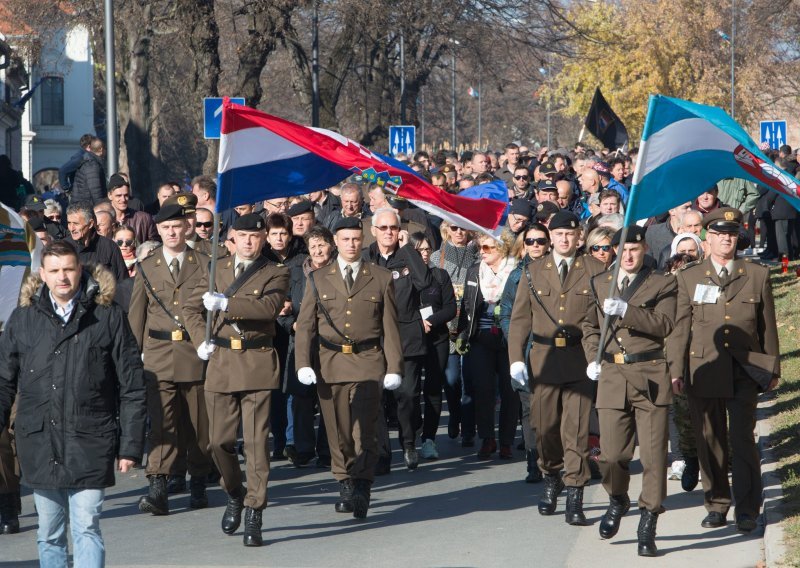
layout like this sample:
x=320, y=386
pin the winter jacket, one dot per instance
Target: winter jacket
x=73, y=381
x=441, y=298
x=89, y=183
x=102, y=251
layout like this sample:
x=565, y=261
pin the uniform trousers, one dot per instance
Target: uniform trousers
x=225, y=411
x=351, y=420
x=619, y=429
x=712, y=431
x=560, y=416
x=178, y=427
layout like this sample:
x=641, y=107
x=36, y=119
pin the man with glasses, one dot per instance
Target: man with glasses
x=204, y=232
x=519, y=185
x=519, y=215
x=725, y=328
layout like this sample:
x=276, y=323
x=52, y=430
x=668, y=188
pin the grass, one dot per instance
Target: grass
x=785, y=439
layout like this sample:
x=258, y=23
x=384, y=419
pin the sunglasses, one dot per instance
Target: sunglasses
x=541, y=241
x=488, y=248
x=454, y=229
x=424, y=249
x=205, y=224
x=522, y=177
x=383, y=228
x=124, y=242
x=604, y=248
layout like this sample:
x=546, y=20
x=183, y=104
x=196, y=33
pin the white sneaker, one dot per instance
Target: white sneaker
x=429, y=450
x=676, y=470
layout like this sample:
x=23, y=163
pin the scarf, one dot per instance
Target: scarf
x=456, y=260
x=492, y=284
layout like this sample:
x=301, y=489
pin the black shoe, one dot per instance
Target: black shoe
x=277, y=455
x=301, y=459
x=411, y=457
x=384, y=466
x=324, y=462
x=714, y=520
x=290, y=452
x=691, y=474
x=156, y=501
x=468, y=442
x=554, y=485
x=534, y=473
x=574, y=514
x=647, y=533
x=198, y=498
x=361, y=495
x=453, y=428
x=232, y=517
x=9, y=515
x=252, y=527
x=745, y=523
x=176, y=484
x=345, y=503
x=617, y=507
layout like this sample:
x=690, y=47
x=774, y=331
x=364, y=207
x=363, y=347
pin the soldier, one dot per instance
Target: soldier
x=553, y=299
x=350, y=305
x=725, y=327
x=202, y=239
x=242, y=368
x=164, y=282
x=634, y=392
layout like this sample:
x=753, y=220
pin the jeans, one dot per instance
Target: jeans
x=84, y=507
x=452, y=387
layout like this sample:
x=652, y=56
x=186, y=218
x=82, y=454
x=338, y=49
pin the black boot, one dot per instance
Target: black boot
x=252, y=527
x=232, y=517
x=647, y=533
x=617, y=507
x=198, y=498
x=9, y=519
x=345, y=504
x=361, y=495
x=553, y=486
x=574, y=513
x=156, y=501
x=176, y=484
x=691, y=474
x=534, y=473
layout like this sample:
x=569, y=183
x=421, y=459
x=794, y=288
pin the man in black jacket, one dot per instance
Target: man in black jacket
x=93, y=248
x=70, y=359
x=89, y=183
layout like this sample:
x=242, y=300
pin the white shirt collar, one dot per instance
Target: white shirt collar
x=237, y=261
x=66, y=311
x=718, y=267
x=168, y=257
x=356, y=264
x=557, y=258
x=623, y=275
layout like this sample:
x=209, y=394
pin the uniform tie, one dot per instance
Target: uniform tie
x=348, y=277
x=238, y=271
x=562, y=271
x=624, y=285
x=174, y=268
x=724, y=276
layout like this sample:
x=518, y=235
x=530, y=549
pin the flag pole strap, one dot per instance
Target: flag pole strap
x=212, y=273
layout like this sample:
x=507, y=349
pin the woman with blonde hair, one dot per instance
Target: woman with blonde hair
x=598, y=244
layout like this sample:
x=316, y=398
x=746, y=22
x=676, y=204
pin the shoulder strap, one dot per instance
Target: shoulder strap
x=140, y=270
x=325, y=311
x=254, y=267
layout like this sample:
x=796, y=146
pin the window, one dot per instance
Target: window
x=52, y=95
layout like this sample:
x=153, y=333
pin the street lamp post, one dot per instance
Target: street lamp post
x=315, y=66
x=545, y=72
x=453, y=100
x=733, y=58
x=402, y=78
x=111, y=92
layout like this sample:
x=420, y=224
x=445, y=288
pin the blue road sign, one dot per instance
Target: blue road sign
x=773, y=132
x=402, y=140
x=212, y=115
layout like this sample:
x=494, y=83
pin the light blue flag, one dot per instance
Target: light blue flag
x=495, y=190
x=688, y=147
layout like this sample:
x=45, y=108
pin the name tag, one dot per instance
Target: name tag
x=705, y=294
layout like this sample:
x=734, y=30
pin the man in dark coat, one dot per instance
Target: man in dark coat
x=90, y=179
x=70, y=359
x=93, y=248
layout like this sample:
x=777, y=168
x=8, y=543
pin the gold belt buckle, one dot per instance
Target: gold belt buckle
x=177, y=335
x=619, y=358
x=561, y=341
x=236, y=344
x=347, y=349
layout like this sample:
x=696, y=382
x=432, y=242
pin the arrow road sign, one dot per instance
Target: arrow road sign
x=773, y=132
x=402, y=140
x=212, y=115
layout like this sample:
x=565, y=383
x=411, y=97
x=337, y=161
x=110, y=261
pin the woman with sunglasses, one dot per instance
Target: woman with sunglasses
x=126, y=241
x=533, y=242
x=485, y=350
x=457, y=253
x=598, y=244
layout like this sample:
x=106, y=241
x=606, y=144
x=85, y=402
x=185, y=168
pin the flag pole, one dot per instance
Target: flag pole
x=583, y=131
x=631, y=206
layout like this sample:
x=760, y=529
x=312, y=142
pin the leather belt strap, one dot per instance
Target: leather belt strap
x=176, y=335
x=557, y=341
x=350, y=348
x=628, y=358
x=239, y=344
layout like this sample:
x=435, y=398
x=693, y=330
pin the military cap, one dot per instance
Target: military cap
x=300, y=207
x=723, y=220
x=564, y=220
x=545, y=209
x=635, y=235
x=546, y=185
x=249, y=222
x=184, y=199
x=547, y=169
x=397, y=202
x=116, y=181
x=34, y=203
x=520, y=207
x=170, y=212
x=347, y=223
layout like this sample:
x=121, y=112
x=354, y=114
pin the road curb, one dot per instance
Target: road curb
x=774, y=547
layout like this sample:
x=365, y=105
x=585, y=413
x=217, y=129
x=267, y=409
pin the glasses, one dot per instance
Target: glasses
x=424, y=249
x=384, y=228
x=488, y=248
x=124, y=242
x=204, y=224
x=522, y=177
x=541, y=241
x=455, y=229
x=604, y=248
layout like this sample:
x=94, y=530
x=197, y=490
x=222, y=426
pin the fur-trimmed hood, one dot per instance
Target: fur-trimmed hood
x=97, y=284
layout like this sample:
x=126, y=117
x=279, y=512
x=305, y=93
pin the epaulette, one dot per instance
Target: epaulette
x=689, y=265
x=756, y=262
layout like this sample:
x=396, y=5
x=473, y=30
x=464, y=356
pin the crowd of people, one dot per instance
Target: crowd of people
x=338, y=316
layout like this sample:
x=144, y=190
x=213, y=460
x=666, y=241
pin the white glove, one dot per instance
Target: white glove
x=615, y=307
x=307, y=376
x=519, y=373
x=593, y=371
x=142, y=357
x=215, y=301
x=391, y=381
x=205, y=350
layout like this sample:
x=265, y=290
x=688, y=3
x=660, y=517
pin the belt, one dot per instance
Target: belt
x=350, y=348
x=628, y=358
x=176, y=335
x=239, y=344
x=557, y=341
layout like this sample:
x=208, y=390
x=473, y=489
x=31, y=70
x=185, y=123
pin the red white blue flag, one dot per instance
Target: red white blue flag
x=263, y=157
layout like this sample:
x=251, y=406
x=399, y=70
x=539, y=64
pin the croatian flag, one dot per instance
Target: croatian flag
x=688, y=147
x=473, y=93
x=263, y=157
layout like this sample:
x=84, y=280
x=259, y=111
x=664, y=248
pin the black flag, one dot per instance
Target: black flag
x=604, y=124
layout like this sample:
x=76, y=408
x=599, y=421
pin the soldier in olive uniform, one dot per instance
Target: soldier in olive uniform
x=725, y=327
x=350, y=305
x=634, y=392
x=164, y=282
x=553, y=299
x=242, y=368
